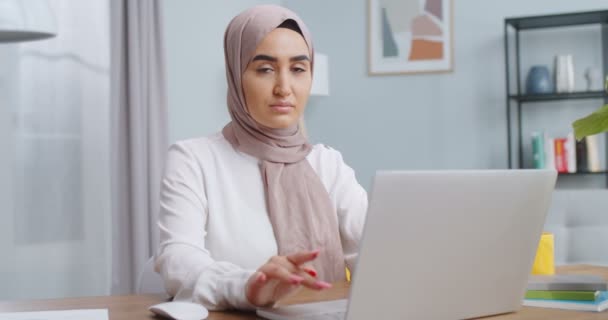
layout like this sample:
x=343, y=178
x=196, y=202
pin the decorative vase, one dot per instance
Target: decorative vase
x=564, y=73
x=594, y=79
x=539, y=80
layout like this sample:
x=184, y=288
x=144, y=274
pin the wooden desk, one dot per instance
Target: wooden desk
x=135, y=307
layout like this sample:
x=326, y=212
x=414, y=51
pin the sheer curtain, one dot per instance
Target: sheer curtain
x=139, y=135
x=55, y=212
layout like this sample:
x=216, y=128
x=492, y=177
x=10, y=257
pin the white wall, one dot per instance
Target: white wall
x=194, y=32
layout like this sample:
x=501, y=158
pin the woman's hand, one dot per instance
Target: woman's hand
x=282, y=276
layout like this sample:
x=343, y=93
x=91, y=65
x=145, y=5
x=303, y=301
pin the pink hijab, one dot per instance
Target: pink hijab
x=300, y=210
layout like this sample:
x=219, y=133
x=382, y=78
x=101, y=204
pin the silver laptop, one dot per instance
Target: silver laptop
x=442, y=245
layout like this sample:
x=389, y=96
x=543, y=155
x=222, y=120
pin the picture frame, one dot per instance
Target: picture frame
x=410, y=36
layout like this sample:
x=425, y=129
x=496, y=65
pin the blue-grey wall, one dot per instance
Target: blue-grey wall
x=194, y=34
x=440, y=121
x=432, y=121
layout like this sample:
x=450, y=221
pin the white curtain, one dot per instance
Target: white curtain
x=139, y=135
x=55, y=221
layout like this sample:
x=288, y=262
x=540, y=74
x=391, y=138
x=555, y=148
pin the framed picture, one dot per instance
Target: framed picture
x=409, y=36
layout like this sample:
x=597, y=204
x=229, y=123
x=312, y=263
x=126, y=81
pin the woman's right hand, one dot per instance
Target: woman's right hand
x=282, y=276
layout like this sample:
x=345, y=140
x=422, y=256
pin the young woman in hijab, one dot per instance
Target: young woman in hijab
x=253, y=213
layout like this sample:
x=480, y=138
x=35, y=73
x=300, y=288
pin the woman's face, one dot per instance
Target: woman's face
x=277, y=81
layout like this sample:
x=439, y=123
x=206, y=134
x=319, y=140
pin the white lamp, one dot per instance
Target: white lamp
x=320, y=78
x=25, y=20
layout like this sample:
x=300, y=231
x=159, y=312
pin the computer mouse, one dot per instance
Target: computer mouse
x=180, y=310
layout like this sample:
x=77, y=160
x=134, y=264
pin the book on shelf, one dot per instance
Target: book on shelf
x=563, y=295
x=561, y=160
x=593, y=154
x=538, y=150
x=567, y=282
x=581, y=155
x=570, y=153
x=597, y=305
x=565, y=154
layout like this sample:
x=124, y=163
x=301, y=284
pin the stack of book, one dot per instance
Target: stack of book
x=572, y=292
x=565, y=154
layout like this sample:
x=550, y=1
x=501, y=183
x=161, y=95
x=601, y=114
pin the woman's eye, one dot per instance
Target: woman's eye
x=264, y=70
x=298, y=69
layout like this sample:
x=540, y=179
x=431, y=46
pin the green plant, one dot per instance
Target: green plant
x=595, y=123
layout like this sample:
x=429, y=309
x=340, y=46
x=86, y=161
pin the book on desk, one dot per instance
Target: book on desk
x=598, y=305
x=563, y=295
x=571, y=292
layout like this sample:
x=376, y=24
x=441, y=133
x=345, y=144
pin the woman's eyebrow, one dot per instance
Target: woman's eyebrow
x=265, y=57
x=300, y=58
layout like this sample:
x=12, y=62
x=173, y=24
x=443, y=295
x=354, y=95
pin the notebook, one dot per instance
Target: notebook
x=598, y=305
x=567, y=282
x=563, y=295
x=89, y=314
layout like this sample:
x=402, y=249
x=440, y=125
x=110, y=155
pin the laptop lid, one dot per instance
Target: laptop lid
x=449, y=244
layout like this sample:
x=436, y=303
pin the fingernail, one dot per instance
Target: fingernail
x=315, y=253
x=322, y=285
x=311, y=272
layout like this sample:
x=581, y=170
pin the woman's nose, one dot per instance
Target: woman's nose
x=282, y=86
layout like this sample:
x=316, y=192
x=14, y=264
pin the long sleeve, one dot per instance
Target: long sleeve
x=185, y=264
x=351, y=204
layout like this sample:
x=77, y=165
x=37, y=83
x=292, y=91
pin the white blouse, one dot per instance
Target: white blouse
x=214, y=226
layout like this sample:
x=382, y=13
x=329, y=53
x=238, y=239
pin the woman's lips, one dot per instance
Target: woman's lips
x=281, y=108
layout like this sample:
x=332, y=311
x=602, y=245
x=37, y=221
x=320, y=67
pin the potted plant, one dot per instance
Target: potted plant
x=595, y=123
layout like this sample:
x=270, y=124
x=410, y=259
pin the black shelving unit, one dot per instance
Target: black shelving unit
x=582, y=173
x=559, y=96
x=515, y=96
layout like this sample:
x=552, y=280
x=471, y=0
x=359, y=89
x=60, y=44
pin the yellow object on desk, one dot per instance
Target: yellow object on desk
x=544, y=263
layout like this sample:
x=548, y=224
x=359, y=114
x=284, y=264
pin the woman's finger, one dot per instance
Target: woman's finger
x=294, y=265
x=279, y=272
x=312, y=282
x=312, y=272
x=255, y=285
x=306, y=274
x=303, y=257
x=285, y=263
x=291, y=267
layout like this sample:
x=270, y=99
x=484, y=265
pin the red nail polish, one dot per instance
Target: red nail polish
x=311, y=272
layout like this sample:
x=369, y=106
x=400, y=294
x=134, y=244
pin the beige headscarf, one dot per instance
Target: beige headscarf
x=302, y=215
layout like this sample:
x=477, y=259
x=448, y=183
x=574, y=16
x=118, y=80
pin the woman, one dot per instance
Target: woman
x=253, y=213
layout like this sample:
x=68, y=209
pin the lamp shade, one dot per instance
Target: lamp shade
x=320, y=79
x=25, y=20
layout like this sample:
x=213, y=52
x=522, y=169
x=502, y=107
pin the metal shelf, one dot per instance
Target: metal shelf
x=558, y=20
x=559, y=96
x=517, y=99
x=582, y=173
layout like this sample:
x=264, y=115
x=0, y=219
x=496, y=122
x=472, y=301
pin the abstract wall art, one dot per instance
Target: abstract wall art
x=409, y=36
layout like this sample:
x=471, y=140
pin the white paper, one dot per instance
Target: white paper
x=88, y=314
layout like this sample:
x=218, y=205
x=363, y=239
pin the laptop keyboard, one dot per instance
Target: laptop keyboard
x=324, y=310
x=331, y=316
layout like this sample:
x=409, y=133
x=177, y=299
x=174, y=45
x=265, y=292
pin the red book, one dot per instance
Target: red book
x=561, y=158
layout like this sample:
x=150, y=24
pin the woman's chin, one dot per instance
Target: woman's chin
x=281, y=122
